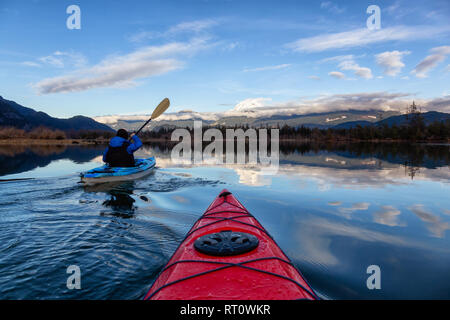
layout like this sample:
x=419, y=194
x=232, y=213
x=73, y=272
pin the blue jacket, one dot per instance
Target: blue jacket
x=118, y=141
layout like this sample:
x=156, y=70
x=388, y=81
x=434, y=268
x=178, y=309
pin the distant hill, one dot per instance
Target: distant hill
x=428, y=117
x=14, y=115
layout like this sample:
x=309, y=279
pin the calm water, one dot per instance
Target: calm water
x=334, y=210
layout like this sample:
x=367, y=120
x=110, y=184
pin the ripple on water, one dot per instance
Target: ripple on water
x=331, y=221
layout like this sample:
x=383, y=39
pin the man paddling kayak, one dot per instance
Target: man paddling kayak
x=119, y=152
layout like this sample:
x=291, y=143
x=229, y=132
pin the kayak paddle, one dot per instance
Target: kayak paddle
x=162, y=106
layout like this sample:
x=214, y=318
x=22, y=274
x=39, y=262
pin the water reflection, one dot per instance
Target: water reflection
x=119, y=197
x=388, y=216
x=17, y=158
x=359, y=165
x=362, y=156
x=434, y=223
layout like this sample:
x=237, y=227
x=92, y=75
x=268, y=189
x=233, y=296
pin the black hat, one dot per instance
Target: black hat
x=122, y=133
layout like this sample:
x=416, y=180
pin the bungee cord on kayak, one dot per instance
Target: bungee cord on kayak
x=229, y=265
x=266, y=265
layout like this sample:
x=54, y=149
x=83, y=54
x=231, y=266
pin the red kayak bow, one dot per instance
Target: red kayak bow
x=228, y=255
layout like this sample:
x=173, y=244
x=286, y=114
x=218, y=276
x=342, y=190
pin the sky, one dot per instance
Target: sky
x=224, y=55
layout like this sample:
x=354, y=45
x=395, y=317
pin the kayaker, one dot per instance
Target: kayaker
x=119, y=152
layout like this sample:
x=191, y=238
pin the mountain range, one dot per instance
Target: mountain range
x=186, y=118
x=15, y=115
x=334, y=119
x=311, y=120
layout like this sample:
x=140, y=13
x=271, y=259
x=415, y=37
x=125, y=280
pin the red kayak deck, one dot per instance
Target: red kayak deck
x=264, y=273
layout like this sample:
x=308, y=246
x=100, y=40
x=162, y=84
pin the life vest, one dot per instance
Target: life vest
x=119, y=156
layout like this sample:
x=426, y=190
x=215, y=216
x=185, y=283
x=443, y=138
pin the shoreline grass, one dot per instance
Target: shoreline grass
x=62, y=142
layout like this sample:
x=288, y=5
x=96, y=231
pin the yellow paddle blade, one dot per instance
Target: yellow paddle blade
x=162, y=106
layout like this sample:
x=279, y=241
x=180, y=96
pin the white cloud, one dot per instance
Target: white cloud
x=362, y=72
x=52, y=60
x=338, y=58
x=61, y=59
x=314, y=77
x=144, y=35
x=256, y=107
x=232, y=46
x=277, y=67
x=392, y=8
x=251, y=103
x=430, y=62
x=121, y=71
x=364, y=36
x=391, y=61
x=347, y=62
x=440, y=104
x=337, y=74
x=334, y=8
x=30, y=64
x=195, y=27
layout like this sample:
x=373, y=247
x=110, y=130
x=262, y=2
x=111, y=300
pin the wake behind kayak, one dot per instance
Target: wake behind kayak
x=110, y=174
x=228, y=255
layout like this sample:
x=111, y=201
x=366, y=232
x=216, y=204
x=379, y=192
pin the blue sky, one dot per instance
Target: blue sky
x=214, y=56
